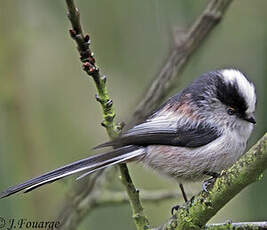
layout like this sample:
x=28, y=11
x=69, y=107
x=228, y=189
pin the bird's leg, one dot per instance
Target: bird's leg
x=176, y=207
x=209, y=181
x=183, y=192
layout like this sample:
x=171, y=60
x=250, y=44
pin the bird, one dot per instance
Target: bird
x=196, y=133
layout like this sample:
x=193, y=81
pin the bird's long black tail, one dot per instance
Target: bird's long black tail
x=87, y=166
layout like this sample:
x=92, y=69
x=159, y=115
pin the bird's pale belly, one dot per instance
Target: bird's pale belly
x=189, y=164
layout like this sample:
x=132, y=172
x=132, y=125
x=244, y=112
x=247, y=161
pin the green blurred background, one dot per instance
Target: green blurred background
x=48, y=113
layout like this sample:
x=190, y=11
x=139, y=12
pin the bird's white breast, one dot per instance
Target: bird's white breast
x=189, y=164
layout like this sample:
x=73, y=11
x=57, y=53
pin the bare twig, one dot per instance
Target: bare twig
x=182, y=51
x=196, y=213
x=119, y=198
x=158, y=89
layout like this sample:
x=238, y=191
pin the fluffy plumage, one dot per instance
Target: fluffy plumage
x=204, y=128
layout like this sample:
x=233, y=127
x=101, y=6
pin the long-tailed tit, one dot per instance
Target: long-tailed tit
x=197, y=132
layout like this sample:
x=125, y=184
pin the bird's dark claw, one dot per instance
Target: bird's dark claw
x=207, y=183
x=175, y=208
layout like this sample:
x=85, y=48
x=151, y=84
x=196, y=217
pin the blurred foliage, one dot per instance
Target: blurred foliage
x=48, y=112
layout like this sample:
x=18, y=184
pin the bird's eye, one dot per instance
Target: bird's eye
x=231, y=111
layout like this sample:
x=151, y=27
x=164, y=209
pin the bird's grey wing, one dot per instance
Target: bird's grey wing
x=174, y=123
x=167, y=132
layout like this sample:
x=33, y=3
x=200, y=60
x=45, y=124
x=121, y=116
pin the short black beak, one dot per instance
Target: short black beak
x=251, y=119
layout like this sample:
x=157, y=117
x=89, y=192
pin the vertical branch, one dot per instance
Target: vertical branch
x=113, y=130
x=89, y=66
x=140, y=219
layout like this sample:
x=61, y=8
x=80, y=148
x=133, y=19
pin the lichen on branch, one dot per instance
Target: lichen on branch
x=201, y=208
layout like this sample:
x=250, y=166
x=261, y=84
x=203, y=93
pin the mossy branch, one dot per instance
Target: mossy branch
x=201, y=208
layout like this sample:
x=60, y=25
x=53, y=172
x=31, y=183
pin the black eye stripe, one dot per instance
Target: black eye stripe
x=230, y=95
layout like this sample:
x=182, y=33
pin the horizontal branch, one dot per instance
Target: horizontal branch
x=119, y=198
x=238, y=226
x=204, y=206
